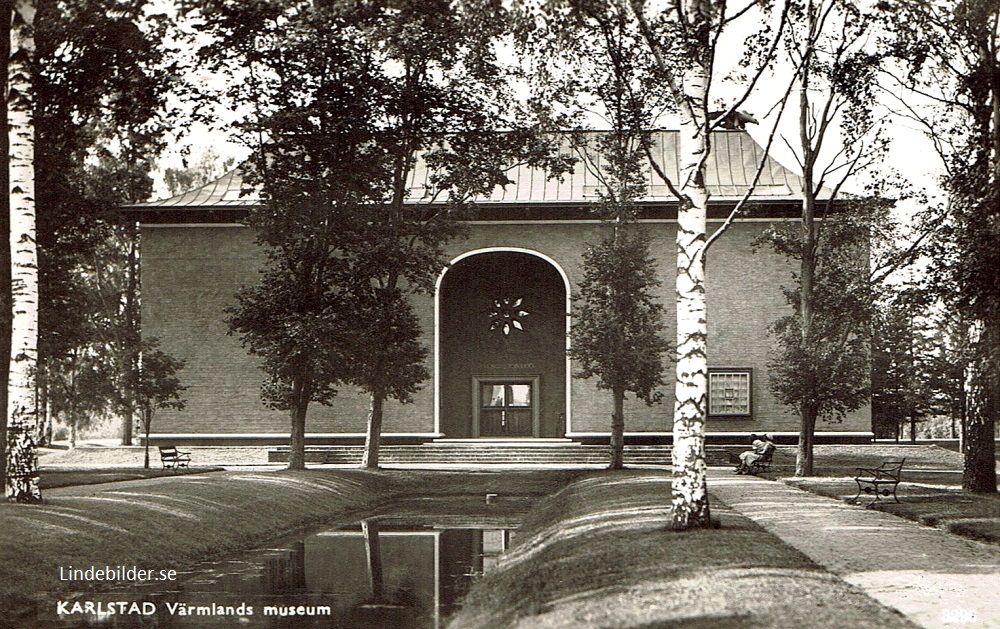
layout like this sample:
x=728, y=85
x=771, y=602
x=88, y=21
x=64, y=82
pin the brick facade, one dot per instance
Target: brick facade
x=191, y=272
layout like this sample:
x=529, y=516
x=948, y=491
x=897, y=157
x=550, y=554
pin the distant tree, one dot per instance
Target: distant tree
x=895, y=372
x=826, y=371
x=920, y=354
x=159, y=387
x=207, y=167
x=946, y=358
x=79, y=391
x=617, y=333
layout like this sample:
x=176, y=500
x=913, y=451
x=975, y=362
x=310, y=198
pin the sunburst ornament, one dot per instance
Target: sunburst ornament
x=507, y=315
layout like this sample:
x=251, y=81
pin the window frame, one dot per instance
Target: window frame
x=748, y=372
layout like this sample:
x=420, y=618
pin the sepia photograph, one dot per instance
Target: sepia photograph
x=500, y=314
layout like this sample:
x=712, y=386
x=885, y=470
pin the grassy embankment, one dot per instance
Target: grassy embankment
x=930, y=491
x=53, y=479
x=175, y=521
x=599, y=554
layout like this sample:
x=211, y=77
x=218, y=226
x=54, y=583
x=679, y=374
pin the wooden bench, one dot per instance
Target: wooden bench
x=879, y=481
x=171, y=457
x=763, y=464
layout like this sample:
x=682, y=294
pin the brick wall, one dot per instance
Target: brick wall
x=190, y=275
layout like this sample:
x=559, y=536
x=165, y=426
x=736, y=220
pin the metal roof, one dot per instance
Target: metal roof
x=731, y=167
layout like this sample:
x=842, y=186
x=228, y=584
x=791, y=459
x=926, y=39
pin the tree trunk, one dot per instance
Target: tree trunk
x=147, y=420
x=6, y=303
x=297, y=440
x=689, y=493
x=618, y=431
x=22, y=413
x=40, y=400
x=72, y=434
x=963, y=419
x=688, y=87
x=370, y=457
x=979, y=475
x=807, y=436
x=807, y=274
x=132, y=334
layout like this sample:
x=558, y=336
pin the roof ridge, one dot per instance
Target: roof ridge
x=726, y=180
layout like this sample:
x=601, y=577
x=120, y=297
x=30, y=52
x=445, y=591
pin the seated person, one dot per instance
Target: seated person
x=758, y=448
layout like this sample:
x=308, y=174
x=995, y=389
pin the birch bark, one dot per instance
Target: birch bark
x=686, y=63
x=22, y=413
x=689, y=494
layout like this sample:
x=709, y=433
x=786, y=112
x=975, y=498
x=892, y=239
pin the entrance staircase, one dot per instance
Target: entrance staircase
x=446, y=453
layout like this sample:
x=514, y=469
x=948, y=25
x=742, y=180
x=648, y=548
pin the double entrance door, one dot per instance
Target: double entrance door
x=506, y=407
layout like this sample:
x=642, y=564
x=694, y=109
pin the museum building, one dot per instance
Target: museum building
x=497, y=325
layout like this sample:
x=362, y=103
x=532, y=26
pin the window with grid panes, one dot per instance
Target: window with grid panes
x=729, y=392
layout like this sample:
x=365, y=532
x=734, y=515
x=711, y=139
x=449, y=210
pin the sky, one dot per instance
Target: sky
x=910, y=151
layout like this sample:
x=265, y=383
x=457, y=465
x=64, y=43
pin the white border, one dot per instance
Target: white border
x=437, y=326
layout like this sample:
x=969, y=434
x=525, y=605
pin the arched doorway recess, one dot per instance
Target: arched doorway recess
x=501, y=346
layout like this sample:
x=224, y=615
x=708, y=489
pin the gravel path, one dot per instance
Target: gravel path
x=936, y=579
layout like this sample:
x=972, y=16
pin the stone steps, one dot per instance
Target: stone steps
x=485, y=453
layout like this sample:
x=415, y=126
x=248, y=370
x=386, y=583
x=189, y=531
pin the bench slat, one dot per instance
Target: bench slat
x=171, y=457
x=880, y=481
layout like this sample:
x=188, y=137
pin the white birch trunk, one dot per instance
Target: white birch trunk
x=22, y=412
x=689, y=492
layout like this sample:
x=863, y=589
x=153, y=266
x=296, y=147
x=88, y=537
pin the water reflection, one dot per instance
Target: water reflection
x=378, y=574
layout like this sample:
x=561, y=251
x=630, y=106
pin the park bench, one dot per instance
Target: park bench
x=879, y=481
x=763, y=464
x=171, y=457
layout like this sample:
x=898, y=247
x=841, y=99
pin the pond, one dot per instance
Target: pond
x=403, y=570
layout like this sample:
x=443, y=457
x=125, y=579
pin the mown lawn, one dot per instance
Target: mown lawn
x=930, y=491
x=600, y=554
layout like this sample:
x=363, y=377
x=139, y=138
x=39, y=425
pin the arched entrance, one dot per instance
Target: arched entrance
x=501, y=353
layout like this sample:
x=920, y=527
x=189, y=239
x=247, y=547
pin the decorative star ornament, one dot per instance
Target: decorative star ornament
x=507, y=315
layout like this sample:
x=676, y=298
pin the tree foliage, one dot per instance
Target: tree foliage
x=826, y=371
x=206, y=167
x=348, y=98
x=102, y=77
x=158, y=386
x=617, y=333
x=948, y=60
x=644, y=59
